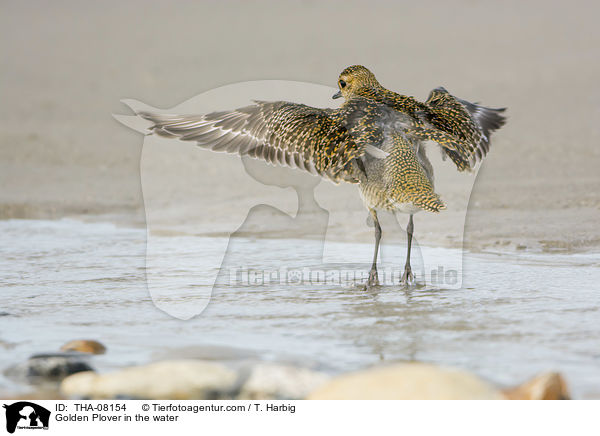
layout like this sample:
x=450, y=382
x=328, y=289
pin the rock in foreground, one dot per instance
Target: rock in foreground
x=175, y=379
x=267, y=381
x=410, y=381
x=546, y=386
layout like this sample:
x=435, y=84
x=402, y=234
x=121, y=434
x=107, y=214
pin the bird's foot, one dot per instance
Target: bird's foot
x=373, y=280
x=408, y=278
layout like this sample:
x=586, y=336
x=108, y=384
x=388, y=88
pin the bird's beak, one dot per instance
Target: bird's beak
x=337, y=95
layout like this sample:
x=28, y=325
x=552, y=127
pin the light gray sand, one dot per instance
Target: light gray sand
x=65, y=67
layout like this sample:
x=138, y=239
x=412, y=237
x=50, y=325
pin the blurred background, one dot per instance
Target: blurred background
x=66, y=65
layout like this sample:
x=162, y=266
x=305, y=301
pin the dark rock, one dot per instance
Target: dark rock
x=48, y=368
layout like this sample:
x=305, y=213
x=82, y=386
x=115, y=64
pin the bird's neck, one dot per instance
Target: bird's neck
x=371, y=92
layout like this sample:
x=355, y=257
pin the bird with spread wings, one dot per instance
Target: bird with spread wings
x=374, y=140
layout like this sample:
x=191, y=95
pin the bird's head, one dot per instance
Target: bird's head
x=353, y=80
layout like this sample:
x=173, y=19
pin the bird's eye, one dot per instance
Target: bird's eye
x=342, y=84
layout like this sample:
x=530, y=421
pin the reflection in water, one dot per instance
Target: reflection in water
x=516, y=315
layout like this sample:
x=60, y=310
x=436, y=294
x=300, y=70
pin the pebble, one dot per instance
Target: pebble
x=84, y=346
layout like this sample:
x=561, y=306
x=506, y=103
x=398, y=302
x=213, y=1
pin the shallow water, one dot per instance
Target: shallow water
x=516, y=314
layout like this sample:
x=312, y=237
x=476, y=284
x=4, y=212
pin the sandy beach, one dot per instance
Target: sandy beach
x=66, y=67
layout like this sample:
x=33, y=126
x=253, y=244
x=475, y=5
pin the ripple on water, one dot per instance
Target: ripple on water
x=516, y=314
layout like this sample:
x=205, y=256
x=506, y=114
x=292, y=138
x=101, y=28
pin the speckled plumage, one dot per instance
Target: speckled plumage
x=375, y=139
x=338, y=144
x=281, y=133
x=461, y=128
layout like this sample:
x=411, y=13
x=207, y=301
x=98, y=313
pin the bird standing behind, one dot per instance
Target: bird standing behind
x=373, y=140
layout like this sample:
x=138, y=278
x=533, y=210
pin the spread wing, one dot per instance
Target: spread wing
x=468, y=122
x=460, y=128
x=281, y=133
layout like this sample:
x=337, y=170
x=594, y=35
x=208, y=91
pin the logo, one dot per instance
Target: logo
x=26, y=415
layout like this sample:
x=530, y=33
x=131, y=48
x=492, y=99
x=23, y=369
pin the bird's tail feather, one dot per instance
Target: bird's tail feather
x=407, y=181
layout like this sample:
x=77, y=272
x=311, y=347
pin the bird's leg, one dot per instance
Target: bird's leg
x=373, y=278
x=408, y=278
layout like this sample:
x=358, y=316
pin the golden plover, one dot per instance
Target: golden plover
x=462, y=129
x=373, y=140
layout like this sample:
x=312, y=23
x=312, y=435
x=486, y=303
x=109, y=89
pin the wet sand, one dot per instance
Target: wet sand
x=66, y=66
